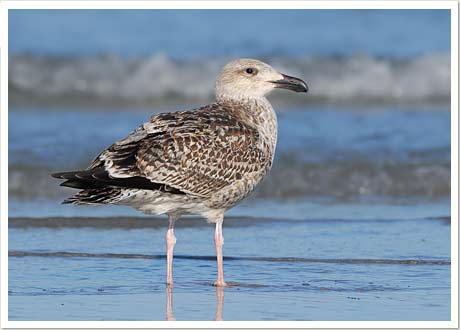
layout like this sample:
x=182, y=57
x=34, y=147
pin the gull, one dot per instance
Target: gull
x=202, y=161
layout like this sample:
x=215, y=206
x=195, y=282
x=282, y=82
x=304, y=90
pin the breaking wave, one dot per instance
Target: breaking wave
x=159, y=79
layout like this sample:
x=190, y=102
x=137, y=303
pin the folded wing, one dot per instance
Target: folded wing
x=192, y=152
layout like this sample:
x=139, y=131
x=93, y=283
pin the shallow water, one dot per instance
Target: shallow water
x=280, y=270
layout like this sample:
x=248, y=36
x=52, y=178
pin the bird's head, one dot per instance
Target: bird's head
x=249, y=78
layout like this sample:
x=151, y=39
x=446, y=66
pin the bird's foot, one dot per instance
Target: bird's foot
x=220, y=283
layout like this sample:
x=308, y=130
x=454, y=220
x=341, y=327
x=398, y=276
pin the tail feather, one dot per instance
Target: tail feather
x=98, y=196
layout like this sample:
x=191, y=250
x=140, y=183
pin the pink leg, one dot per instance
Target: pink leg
x=170, y=242
x=219, y=242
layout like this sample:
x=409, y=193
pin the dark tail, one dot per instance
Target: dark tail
x=78, y=180
x=99, y=178
x=97, y=196
x=93, y=191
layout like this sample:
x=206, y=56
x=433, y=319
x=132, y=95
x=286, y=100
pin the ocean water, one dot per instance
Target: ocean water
x=159, y=80
x=323, y=152
x=213, y=33
x=353, y=222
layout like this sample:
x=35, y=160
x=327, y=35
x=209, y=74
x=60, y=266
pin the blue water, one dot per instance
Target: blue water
x=395, y=153
x=326, y=132
x=131, y=288
x=197, y=33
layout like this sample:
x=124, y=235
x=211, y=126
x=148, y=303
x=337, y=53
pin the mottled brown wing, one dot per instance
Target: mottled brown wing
x=197, y=152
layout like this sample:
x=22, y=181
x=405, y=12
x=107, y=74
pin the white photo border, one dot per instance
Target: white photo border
x=192, y=4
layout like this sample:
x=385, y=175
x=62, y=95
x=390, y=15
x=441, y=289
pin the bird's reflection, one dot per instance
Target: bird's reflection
x=170, y=306
x=220, y=302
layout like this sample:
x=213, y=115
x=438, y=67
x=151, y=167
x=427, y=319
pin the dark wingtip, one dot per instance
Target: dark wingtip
x=77, y=184
x=63, y=175
x=67, y=183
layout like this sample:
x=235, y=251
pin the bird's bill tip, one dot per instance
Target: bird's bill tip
x=291, y=83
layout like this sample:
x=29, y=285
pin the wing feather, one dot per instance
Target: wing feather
x=196, y=152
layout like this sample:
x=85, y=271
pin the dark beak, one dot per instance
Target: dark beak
x=291, y=83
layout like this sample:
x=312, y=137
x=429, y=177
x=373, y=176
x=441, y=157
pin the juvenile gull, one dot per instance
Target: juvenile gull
x=202, y=161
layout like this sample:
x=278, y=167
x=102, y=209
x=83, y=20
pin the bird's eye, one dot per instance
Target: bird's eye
x=251, y=71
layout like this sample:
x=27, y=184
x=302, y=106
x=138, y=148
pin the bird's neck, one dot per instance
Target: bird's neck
x=258, y=113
